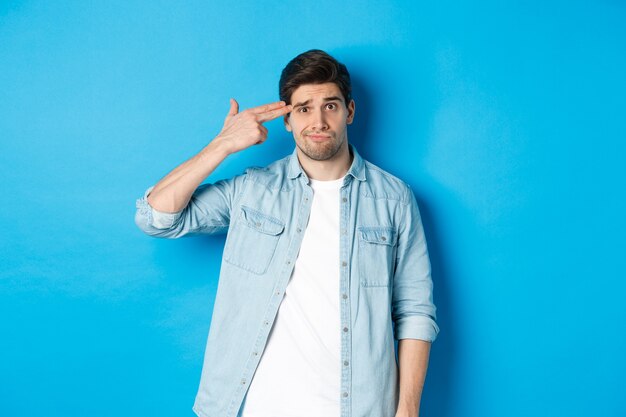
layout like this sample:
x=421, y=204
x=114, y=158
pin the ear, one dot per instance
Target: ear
x=351, y=108
x=286, y=121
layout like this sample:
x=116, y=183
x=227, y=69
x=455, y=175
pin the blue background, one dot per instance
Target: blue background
x=507, y=119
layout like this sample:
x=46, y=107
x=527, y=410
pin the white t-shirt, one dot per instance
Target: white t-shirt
x=299, y=373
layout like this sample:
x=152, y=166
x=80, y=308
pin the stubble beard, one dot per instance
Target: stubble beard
x=320, y=151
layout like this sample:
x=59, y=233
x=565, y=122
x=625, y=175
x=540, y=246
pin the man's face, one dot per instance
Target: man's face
x=319, y=119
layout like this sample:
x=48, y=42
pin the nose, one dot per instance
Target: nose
x=319, y=121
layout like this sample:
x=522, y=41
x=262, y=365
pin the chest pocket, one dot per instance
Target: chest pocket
x=252, y=240
x=376, y=255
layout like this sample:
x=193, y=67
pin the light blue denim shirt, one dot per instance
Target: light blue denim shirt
x=385, y=289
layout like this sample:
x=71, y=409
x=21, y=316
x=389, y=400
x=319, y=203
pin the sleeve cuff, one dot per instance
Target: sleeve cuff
x=416, y=327
x=155, y=218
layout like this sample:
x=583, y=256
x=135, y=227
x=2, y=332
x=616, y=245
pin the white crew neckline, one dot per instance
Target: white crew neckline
x=331, y=184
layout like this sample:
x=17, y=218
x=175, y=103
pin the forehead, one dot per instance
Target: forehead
x=315, y=92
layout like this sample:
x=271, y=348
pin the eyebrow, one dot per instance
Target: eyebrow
x=326, y=99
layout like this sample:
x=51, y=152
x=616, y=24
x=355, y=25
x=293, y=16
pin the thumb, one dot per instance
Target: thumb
x=234, y=108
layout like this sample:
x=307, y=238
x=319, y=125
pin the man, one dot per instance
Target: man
x=325, y=263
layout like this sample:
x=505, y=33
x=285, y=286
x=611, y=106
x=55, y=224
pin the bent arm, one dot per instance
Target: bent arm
x=173, y=192
x=240, y=131
x=178, y=206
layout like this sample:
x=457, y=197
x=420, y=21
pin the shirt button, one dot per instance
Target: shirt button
x=345, y=363
x=345, y=394
x=254, y=353
x=243, y=382
x=383, y=238
x=278, y=292
x=344, y=263
x=344, y=199
x=299, y=230
x=344, y=296
x=267, y=323
x=345, y=329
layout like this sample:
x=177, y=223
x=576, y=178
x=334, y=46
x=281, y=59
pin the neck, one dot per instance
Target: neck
x=330, y=169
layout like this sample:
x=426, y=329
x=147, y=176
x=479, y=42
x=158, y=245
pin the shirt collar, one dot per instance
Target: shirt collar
x=357, y=169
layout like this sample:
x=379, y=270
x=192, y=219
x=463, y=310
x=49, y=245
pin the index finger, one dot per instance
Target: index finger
x=267, y=107
x=273, y=114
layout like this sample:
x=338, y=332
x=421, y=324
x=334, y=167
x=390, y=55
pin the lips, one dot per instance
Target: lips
x=318, y=138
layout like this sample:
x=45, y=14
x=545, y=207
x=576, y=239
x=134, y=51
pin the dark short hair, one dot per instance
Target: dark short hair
x=314, y=67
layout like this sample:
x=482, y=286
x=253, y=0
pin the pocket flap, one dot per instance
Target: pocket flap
x=261, y=222
x=379, y=235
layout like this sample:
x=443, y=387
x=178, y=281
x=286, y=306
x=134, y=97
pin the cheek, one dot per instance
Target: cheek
x=297, y=126
x=339, y=121
x=294, y=125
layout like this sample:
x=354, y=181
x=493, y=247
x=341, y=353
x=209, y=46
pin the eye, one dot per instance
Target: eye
x=331, y=106
x=302, y=110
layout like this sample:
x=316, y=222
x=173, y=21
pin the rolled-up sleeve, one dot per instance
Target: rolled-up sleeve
x=413, y=311
x=208, y=211
x=156, y=219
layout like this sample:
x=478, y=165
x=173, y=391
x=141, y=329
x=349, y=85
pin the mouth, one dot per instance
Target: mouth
x=318, y=137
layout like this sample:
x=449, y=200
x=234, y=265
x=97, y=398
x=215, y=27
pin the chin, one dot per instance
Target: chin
x=320, y=154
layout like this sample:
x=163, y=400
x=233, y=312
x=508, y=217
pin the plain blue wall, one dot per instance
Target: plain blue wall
x=508, y=121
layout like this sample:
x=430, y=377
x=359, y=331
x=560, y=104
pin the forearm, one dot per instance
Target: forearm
x=412, y=362
x=173, y=192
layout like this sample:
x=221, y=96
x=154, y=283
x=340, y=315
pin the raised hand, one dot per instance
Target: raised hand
x=242, y=130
